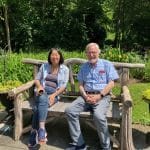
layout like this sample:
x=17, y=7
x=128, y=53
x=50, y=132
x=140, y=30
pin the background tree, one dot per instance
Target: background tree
x=132, y=23
x=5, y=25
x=70, y=24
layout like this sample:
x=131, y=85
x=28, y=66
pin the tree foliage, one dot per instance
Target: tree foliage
x=132, y=23
x=70, y=24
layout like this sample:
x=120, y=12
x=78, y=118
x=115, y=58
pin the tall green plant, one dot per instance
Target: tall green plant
x=115, y=54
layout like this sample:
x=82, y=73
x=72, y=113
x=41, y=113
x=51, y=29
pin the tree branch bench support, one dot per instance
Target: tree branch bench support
x=120, y=111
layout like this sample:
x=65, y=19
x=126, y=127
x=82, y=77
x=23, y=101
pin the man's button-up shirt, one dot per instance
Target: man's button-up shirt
x=95, y=78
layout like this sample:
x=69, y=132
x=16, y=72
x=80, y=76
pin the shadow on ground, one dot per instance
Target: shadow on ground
x=58, y=137
x=140, y=138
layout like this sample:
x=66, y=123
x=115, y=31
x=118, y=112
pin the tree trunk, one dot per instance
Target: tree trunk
x=7, y=27
x=118, y=24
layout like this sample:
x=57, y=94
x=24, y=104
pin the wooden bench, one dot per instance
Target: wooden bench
x=120, y=111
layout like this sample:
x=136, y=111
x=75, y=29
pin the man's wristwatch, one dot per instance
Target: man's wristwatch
x=102, y=95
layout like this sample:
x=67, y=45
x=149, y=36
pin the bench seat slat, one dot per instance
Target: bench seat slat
x=114, y=112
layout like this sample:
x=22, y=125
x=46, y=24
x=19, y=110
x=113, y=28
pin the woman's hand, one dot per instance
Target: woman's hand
x=40, y=90
x=52, y=99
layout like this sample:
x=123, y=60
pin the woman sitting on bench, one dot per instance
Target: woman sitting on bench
x=50, y=82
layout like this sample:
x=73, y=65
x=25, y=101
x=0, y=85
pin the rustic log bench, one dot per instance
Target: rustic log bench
x=120, y=111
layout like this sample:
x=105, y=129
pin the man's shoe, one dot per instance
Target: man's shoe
x=33, y=139
x=76, y=147
x=105, y=148
x=42, y=135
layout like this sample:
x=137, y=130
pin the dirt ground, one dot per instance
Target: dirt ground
x=58, y=137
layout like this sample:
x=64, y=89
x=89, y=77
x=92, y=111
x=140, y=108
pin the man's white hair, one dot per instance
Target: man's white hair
x=92, y=44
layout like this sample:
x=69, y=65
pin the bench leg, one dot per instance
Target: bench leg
x=126, y=130
x=18, y=117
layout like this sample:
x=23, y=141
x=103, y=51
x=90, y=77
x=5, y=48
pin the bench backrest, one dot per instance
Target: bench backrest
x=122, y=68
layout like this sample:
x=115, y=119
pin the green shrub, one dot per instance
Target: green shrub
x=143, y=74
x=8, y=85
x=146, y=76
x=146, y=94
x=133, y=57
x=115, y=54
x=12, y=68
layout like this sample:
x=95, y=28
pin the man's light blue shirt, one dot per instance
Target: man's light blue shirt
x=62, y=78
x=95, y=78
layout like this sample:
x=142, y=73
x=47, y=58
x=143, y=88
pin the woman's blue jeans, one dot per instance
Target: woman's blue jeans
x=40, y=110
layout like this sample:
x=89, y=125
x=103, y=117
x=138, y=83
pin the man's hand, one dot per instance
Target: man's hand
x=93, y=98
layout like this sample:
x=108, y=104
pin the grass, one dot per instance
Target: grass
x=140, y=111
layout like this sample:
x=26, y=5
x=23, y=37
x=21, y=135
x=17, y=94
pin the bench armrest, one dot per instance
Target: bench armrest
x=20, y=89
x=127, y=100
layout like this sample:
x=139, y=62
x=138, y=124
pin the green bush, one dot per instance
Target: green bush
x=8, y=85
x=12, y=68
x=143, y=74
x=146, y=94
x=146, y=76
x=115, y=54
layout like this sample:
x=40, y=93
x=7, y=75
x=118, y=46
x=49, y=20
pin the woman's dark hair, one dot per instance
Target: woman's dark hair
x=61, y=56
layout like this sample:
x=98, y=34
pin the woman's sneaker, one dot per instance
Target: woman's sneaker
x=42, y=135
x=33, y=139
